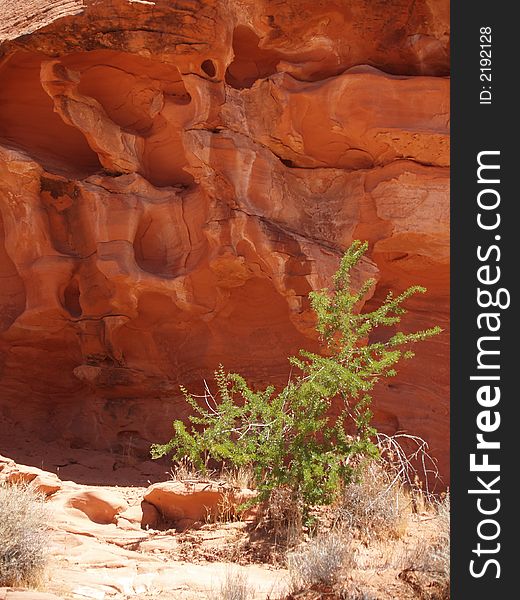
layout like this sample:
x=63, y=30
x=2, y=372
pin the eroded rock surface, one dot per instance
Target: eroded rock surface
x=176, y=177
x=100, y=549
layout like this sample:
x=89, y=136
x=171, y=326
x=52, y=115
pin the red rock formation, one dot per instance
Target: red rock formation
x=176, y=177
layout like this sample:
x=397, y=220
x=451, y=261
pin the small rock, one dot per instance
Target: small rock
x=47, y=484
x=6, y=463
x=43, y=481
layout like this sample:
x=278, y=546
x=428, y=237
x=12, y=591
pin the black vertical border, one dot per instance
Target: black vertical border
x=477, y=127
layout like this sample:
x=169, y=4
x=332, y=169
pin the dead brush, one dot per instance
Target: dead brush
x=373, y=506
x=408, y=458
x=323, y=561
x=376, y=505
x=185, y=472
x=281, y=517
x=23, y=535
x=238, y=498
x=228, y=510
x=240, y=478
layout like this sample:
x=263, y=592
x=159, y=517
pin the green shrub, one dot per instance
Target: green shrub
x=23, y=536
x=288, y=436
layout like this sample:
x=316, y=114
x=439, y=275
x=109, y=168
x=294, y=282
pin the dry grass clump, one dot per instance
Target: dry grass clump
x=281, y=517
x=238, y=501
x=323, y=561
x=234, y=587
x=184, y=471
x=239, y=477
x=23, y=535
x=375, y=505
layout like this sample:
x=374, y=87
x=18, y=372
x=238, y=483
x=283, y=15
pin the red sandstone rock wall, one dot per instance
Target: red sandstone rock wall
x=175, y=177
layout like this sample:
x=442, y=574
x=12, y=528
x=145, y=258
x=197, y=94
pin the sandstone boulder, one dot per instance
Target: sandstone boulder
x=184, y=504
x=42, y=481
